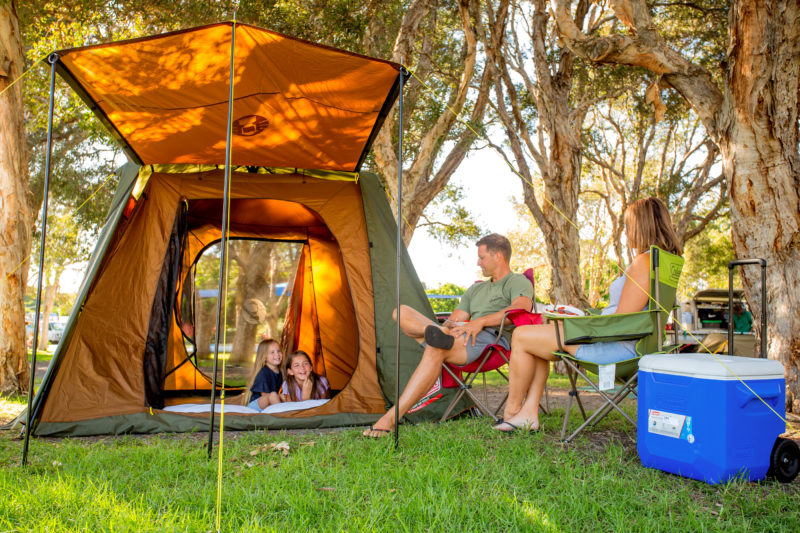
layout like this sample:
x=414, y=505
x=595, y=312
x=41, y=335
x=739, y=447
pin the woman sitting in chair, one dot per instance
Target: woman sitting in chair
x=647, y=223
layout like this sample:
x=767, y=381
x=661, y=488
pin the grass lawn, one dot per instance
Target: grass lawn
x=461, y=476
x=41, y=357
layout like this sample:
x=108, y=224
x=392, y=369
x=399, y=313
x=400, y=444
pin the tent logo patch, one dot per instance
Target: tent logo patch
x=249, y=125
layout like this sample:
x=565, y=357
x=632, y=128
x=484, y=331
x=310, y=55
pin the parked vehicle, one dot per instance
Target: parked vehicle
x=705, y=318
x=55, y=331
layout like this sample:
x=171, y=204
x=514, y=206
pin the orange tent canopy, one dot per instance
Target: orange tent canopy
x=296, y=104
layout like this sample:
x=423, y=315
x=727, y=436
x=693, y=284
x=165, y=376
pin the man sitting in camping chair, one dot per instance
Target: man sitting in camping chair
x=647, y=224
x=469, y=329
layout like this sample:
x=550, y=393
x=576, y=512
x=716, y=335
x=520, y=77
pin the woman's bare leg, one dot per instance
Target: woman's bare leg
x=532, y=350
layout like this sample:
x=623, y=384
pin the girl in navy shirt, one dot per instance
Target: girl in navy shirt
x=265, y=378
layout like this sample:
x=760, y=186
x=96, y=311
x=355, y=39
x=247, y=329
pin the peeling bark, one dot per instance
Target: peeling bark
x=761, y=161
x=557, y=149
x=422, y=181
x=754, y=121
x=15, y=212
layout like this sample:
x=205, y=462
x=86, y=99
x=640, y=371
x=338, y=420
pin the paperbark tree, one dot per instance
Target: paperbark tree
x=753, y=119
x=15, y=212
x=438, y=142
x=629, y=154
x=253, y=259
x=261, y=265
x=542, y=116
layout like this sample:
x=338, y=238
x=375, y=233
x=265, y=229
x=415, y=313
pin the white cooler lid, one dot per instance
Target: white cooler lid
x=709, y=366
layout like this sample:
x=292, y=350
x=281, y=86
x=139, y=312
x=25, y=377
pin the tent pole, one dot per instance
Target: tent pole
x=403, y=73
x=52, y=59
x=223, y=256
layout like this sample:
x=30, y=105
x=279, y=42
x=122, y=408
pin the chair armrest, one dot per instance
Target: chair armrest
x=606, y=328
x=518, y=317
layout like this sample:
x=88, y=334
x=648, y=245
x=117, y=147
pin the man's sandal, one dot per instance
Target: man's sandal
x=435, y=337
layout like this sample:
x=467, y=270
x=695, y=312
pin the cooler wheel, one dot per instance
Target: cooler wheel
x=784, y=463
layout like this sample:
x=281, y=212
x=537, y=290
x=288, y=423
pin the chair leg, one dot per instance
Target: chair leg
x=546, y=397
x=611, y=403
x=485, y=392
x=627, y=388
x=566, y=415
x=458, y=395
x=545, y=409
x=453, y=403
x=499, y=407
x=464, y=387
x=606, y=397
x=573, y=379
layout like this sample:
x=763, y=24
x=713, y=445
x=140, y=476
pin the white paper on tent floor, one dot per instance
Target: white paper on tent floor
x=293, y=406
x=204, y=408
x=239, y=409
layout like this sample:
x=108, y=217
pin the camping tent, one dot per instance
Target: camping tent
x=305, y=119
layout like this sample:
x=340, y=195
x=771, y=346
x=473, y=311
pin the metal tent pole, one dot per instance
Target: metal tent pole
x=223, y=256
x=403, y=73
x=52, y=59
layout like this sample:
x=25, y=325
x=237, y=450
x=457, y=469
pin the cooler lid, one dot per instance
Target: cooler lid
x=707, y=366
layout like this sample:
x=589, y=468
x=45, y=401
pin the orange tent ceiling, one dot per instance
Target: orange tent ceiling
x=296, y=104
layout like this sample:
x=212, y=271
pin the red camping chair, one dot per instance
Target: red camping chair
x=493, y=358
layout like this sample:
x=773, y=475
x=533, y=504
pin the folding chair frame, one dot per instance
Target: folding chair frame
x=465, y=385
x=628, y=387
x=629, y=381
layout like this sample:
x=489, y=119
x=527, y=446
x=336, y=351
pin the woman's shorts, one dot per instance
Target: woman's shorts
x=606, y=353
x=484, y=338
x=254, y=404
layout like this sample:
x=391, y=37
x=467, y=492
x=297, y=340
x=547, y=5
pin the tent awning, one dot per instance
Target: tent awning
x=296, y=104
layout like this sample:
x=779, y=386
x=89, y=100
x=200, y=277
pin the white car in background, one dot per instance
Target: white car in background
x=55, y=331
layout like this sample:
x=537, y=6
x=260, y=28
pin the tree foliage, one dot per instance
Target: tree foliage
x=445, y=305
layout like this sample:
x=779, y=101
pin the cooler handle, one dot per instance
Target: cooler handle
x=770, y=393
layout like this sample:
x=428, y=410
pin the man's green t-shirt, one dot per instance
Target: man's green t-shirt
x=487, y=297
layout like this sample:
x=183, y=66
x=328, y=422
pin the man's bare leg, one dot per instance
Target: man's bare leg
x=423, y=378
x=412, y=322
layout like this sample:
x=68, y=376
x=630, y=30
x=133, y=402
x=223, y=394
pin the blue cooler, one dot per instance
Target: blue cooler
x=696, y=419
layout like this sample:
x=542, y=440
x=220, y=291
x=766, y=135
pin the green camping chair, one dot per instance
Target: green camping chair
x=648, y=327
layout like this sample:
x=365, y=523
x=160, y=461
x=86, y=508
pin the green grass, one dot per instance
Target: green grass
x=494, y=379
x=41, y=356
x=460, y=476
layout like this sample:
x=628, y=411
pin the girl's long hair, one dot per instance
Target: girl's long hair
x=291, y=383
x=648, y=224
x=258, y=364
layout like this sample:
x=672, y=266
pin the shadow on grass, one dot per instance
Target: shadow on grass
x=460, y=475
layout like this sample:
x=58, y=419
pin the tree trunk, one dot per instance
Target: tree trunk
x=760, y=158
x=48, y=300
x=254, y=259
x=754, y=121
x=15, y=211
x=204, y=326
x=557, y=149
x=421, y=183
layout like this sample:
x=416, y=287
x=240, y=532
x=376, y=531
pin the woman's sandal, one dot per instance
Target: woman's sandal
x=381, y=433
x=515, y=429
